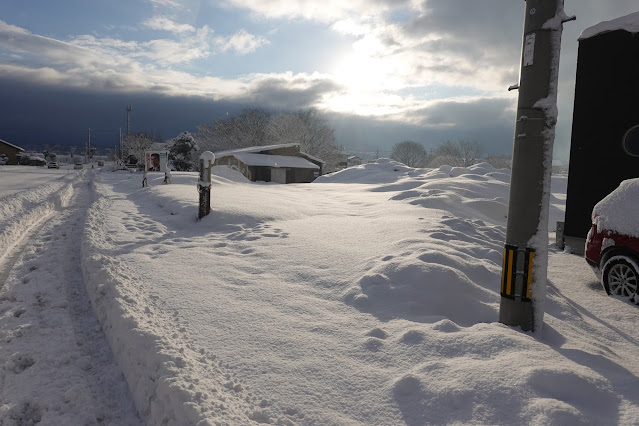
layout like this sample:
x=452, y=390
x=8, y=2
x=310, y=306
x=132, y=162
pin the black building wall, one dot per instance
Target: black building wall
x=606, y=107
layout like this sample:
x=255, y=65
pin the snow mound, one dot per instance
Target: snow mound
x=471, y=192
x=384, y=170
x=229, y=174
x=450, y=275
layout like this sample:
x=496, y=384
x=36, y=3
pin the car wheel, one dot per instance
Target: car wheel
x=620, y=276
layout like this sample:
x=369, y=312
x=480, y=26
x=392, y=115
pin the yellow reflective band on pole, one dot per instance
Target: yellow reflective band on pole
x=529, y=271
x=503, y=271
x=508, y=272
x=509, y=276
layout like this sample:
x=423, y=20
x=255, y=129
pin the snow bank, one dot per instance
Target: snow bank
x=23, y=211
x=148, y=362
x=619, y=210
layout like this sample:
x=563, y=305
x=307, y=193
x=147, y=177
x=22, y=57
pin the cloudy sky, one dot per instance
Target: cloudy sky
x=382, y=71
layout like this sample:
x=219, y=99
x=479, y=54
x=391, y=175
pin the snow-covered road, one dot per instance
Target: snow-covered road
x=57, y=366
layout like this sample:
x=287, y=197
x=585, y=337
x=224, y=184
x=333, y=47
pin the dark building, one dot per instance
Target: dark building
x=605, y=130
x=274, y=163
x=10, y=151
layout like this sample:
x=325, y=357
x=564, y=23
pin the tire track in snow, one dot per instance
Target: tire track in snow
x=59, y=367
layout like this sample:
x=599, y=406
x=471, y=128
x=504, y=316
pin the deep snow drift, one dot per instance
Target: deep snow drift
x=367, y=297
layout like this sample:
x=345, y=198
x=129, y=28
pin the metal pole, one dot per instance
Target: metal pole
x=128, y=116
x=523, y=283
x=204, y=184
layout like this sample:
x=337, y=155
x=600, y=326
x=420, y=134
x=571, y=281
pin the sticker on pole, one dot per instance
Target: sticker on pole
x=155, y=161
x=529, y=49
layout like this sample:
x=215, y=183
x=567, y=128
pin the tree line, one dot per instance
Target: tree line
x=308, y=128
x=252, y=127
x=462, y=153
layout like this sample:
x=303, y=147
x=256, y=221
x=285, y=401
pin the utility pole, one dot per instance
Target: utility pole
x=128, y=118
x=89, y=145
x=523, y=283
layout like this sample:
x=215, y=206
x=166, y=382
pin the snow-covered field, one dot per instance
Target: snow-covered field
x=368, y=297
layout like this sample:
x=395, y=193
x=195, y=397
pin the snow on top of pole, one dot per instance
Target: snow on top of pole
x=628, y=23
x=207, y=155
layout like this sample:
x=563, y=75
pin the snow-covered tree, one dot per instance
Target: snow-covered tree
x=182, y=150
x=410, y=153
x=135, y=144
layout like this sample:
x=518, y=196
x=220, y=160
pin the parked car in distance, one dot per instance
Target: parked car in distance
x=53, y=165
x=612, y=244
x=100, y=163
x=78, y=166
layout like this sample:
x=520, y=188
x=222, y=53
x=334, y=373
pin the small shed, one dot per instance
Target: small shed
x=354, y=160
x=605, y=129
x=284, y=163
x=11, y=151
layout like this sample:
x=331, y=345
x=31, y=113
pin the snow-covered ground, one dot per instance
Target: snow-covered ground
x=367, y=297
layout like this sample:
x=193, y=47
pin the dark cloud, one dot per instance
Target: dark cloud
x=33, y=115
x=487, y=121
x=281, y=93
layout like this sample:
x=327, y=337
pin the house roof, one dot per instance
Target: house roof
x=11, y=145
x=310, y=157
x=254, y=149
x=277, y=161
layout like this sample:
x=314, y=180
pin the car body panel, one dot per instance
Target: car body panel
x=604, y=241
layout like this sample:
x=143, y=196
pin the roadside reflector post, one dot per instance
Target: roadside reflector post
x=524, y=273
x=204, y=183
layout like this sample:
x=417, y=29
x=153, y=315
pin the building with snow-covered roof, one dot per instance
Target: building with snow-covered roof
x=284, y=163
x=605, y=128
x=10, y=150
x=354, y=160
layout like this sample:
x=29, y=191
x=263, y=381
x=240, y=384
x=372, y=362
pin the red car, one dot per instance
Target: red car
x=612, y=245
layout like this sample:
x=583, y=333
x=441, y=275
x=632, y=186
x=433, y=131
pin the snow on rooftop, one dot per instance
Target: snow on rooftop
x=274, y=160
x=10, y=144
x=254, y=149
x=628, y=23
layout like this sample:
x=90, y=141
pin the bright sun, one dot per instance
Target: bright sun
x=367, y=85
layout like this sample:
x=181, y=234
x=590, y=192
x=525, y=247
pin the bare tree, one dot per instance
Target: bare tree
x=499, y=161
x=258, y=127
x=471, y=152
x=462, y=153
x=312, y=131
x=410, y=153
x=250, y=128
